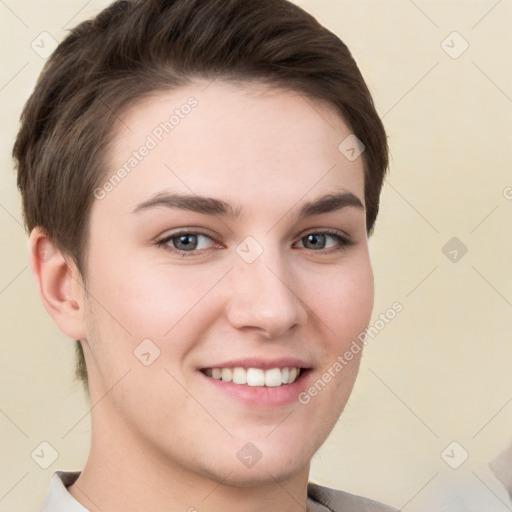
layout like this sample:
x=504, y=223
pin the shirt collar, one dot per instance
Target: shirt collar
x=58, y=498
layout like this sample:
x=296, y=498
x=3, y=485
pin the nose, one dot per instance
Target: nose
x=262, y=296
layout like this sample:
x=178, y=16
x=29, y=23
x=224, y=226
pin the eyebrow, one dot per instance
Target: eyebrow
x=211, y=206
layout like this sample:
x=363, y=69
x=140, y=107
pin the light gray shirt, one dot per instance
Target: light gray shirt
x=320, y=499
x=481, y=488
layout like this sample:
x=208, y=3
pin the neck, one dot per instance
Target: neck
x=123, y=474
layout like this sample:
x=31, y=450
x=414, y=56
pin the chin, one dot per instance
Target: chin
x=252, y=467
x=260, y=475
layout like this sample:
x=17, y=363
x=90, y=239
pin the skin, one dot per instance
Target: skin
x=162, y=437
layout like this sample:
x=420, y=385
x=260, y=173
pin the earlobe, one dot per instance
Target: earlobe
x=58, y=283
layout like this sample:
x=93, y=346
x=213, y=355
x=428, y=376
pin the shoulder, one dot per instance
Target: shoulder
x=474, y=490
x=338, y=501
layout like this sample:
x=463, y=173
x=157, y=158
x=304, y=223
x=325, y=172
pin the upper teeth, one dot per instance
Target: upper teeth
x=255, y=376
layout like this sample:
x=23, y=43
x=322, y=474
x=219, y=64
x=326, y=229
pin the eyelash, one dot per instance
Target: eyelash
x=344, y=242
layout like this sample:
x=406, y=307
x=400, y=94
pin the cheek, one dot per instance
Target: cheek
x=148, y=299
x=345, y=303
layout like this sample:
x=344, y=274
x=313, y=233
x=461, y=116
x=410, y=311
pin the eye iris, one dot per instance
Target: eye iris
x=185, y=242
x=317, y=240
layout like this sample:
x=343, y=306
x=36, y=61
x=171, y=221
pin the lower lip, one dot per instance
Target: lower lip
x=262, y=396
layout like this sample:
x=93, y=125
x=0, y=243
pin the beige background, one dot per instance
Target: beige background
x=440, y=371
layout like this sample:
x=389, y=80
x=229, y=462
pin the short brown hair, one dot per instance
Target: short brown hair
x=137, y=47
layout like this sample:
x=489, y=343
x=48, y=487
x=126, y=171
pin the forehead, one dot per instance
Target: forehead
x=230, y=140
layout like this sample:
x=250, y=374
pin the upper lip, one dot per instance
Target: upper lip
x=264, y=364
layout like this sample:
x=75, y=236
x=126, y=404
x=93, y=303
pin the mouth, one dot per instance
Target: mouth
x=256, y=377
x=261, y=383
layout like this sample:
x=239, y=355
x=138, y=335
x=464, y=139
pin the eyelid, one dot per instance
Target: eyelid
x=327, y=231
x=188, y=231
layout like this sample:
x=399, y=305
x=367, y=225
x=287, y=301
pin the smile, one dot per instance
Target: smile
x=273, y=377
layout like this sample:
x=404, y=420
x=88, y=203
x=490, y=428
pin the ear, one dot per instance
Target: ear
x=59, y=284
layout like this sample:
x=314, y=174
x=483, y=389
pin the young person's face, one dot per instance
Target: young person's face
x=247, y=288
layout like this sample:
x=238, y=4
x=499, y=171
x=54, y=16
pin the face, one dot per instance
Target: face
x=233, y=247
